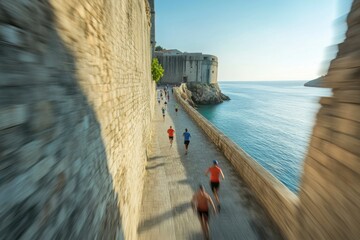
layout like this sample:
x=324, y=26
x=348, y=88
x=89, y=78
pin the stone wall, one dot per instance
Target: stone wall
x=210, y=68
x=280, y=203
x=187, y=67
x=330, y=188
x=76, y=99
x=152, y=37
x=174, y=67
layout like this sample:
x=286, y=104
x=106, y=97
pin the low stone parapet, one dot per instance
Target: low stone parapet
x=280, y=203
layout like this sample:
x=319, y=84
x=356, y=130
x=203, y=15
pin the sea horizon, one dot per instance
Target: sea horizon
x=272, y=121
x=222, y=81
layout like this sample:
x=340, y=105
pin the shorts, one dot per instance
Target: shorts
x=186, y=143
x=176, y=109
x=204, y=214
x=171, y=138
x=214, y=186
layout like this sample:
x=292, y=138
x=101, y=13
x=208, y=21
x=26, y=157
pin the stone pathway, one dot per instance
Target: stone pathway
x=172, y=177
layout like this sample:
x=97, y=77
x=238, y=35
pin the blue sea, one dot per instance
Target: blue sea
x=271, y=121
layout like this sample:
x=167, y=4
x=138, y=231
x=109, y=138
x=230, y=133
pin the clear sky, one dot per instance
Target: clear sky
x=255, y=39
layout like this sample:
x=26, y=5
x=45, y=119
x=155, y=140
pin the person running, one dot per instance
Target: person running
x=163, y=112
x=215, y=172
x=200, y=203
x=158, y=99
x=165, y=104
x=187, y=136
x=176, y=108
x=170, y=132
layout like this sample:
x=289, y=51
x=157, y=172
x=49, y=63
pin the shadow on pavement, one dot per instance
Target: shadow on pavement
x=151, y=222
x=155, y=166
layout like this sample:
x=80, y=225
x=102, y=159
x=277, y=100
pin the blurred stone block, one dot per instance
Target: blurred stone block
x=11, y=35
x=13, y=115
x=42, y=116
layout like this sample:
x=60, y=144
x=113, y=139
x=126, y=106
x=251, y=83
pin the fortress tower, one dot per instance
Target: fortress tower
x=187, y=67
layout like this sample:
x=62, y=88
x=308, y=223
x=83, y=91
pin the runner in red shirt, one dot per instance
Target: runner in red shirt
x=200, y=203
x=171, y=132
x=215, y=172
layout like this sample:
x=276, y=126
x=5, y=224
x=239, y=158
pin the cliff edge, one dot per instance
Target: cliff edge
x=315, y=83
x=202, y=93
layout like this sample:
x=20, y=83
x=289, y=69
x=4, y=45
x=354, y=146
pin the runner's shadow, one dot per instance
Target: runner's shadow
x=155, y=158
x=185, y=182
x=151, y=222
x=155, y=166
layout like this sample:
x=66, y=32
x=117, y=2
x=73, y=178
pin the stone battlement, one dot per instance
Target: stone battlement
x=187, y=67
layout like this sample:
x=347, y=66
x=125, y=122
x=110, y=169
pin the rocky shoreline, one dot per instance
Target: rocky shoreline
x=202, y=94
x=318, y=82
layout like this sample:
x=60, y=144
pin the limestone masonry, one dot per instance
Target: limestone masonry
x=76, y=99
x=76, y=104
x=187, y=67
x=330, y=187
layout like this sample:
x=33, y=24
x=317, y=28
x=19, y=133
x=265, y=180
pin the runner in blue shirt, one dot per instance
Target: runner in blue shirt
x=187, y=136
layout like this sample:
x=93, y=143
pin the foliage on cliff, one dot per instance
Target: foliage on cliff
x=159, y=48
x=157, y=71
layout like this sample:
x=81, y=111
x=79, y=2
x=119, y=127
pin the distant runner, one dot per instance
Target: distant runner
x=163, y=112
x=165, y=104
x=200, y=203
x=215, y=172
x=187, y=136
x=170, y=132
x=176, y=108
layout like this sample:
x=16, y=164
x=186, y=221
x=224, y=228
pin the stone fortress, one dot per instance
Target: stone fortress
x=183, y=67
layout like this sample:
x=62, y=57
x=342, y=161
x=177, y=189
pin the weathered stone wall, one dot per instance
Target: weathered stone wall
x=330, y=188
x=174, y=67
x=152, y=37
x=76, y=99
x=280, y=203
x=210, y=68
x=187, y=67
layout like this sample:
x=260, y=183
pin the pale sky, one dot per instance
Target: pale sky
x=255, y=39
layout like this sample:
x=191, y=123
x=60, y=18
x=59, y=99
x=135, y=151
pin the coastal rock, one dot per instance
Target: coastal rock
x=186, y=95
x=315, y=83
x=203, y=94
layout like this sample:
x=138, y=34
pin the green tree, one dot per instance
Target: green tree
x=157, y=70
x=159, y=48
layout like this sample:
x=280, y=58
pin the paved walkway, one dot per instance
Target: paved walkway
x=172, y=177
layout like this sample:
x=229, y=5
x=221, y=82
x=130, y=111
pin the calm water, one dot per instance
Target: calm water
x=271, y=121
